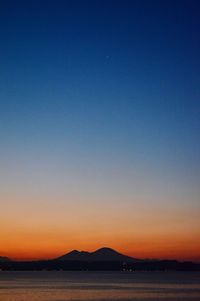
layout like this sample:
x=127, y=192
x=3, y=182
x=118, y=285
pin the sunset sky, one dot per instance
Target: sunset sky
x=100, y=127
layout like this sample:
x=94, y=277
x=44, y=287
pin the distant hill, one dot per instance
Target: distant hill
x=103, y=254
x=3, y=259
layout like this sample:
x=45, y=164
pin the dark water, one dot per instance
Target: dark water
x=99, y=286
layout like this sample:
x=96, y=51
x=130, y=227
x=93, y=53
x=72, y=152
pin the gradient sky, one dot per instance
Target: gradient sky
x=100, y=127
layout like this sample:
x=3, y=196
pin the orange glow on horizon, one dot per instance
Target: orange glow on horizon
x=140, y=248
x=134, y=230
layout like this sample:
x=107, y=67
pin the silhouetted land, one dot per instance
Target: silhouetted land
x=104, y=259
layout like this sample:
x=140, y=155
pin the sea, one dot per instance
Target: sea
x=99, y=286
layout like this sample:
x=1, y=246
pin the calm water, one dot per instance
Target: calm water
x=99, y=286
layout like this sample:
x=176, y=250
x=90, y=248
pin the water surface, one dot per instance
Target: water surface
x=99, y=286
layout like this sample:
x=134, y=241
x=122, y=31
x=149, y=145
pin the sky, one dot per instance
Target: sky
x=99, y=128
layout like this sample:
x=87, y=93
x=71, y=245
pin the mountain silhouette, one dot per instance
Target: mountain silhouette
x=104, y=259
x=3, y=258
x=75, y=255
x=102, y=254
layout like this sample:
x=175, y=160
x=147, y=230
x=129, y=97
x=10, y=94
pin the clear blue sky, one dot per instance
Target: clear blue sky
x=100, y=102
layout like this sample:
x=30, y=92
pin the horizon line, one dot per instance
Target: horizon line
x=48, y=258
